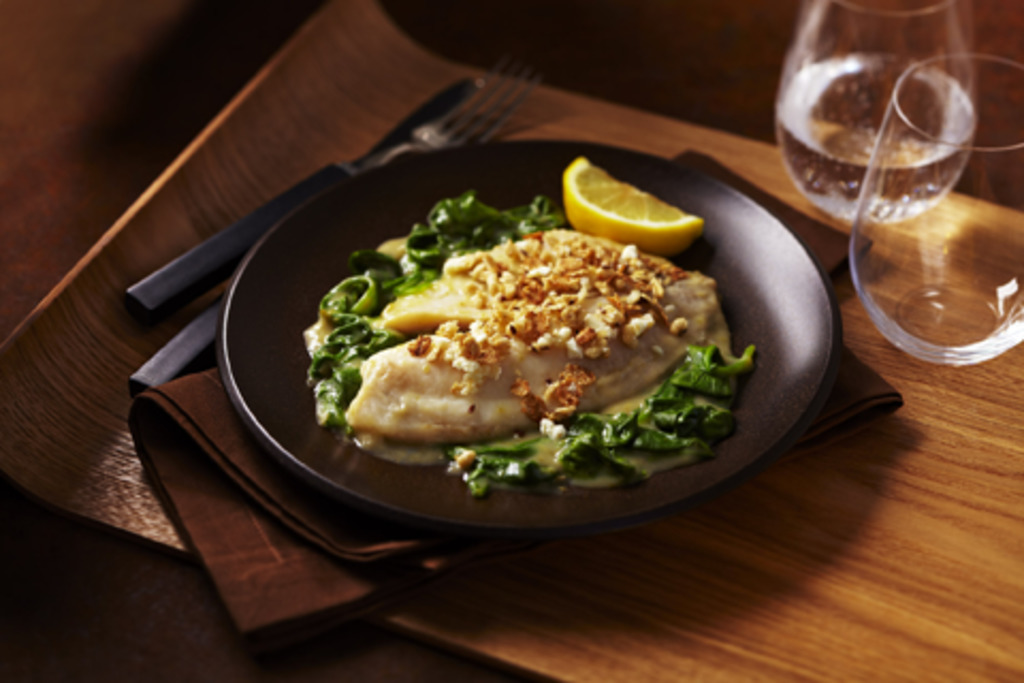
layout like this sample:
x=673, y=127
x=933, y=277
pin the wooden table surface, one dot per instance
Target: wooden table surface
x=894, y=555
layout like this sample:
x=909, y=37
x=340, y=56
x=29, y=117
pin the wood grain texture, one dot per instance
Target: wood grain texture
x=66, y=441
x=896, y=555
x=99, y=97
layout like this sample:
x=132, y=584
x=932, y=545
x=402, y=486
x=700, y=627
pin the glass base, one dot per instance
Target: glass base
x=946, y=317
x=946, y=327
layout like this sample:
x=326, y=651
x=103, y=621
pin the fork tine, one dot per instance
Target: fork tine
x=469, y=112
x=483, y=93
x=499, y=121
x=470, y=121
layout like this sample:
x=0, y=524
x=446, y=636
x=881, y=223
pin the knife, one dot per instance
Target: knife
x=190, y=350
x=167, y=289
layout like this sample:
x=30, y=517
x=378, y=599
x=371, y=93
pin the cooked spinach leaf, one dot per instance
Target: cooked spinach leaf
x=464, y=224
x=505, y=464
x=586, y=455
x=492, y=469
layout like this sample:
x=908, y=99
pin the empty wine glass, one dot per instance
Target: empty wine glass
x=941, y=273
x=837, y=79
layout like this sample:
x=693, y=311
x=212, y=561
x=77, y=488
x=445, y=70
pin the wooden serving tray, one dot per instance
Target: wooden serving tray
x=895, y=554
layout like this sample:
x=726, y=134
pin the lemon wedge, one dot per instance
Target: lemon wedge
x=600, y=205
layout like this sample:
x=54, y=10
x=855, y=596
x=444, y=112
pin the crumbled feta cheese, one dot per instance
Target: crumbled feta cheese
x=642, y=323
x=596, y=322
x=634, y=328
x=573, y=349
x=478, y=331
x=470, y=367
x=552, y=429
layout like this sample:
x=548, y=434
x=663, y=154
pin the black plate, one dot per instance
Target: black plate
x=774, y=292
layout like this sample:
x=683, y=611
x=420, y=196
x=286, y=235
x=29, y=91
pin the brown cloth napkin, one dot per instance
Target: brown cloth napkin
x=289, y=562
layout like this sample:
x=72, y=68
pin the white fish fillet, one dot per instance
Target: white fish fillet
x=433, y=393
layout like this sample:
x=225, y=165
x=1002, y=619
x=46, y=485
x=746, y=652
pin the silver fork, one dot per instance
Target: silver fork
x=501, y=91
x=475, y=121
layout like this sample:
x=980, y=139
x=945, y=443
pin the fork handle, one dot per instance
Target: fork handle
x=169, y=288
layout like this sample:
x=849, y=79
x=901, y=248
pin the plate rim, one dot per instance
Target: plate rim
x=319, y=482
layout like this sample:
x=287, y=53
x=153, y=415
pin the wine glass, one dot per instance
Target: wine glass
x=937, y=242
x=836, y=82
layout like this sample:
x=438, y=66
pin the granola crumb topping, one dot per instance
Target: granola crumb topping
x=556, y=290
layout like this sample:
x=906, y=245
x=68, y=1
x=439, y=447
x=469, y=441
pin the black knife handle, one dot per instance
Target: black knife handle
x=166, y=290
x=190, y=350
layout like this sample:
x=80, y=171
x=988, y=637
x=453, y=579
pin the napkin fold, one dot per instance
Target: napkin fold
x=288, y=562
